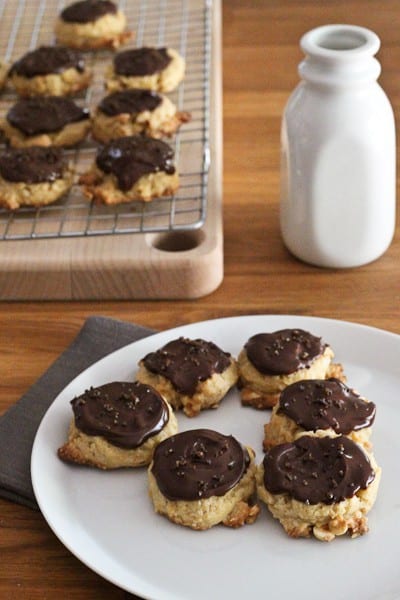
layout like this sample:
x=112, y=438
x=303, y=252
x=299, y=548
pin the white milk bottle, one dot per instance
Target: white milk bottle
x=338, y=163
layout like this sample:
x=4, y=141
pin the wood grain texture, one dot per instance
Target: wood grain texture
x=260, y=44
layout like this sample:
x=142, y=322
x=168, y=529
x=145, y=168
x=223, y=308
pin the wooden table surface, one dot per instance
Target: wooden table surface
x=260, y=57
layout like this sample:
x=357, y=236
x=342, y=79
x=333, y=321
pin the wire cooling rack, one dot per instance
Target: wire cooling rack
x=181, y=24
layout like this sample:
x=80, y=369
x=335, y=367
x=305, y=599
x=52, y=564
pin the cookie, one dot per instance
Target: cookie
x=201, y=478
x=136, y=111
x=131, y=168
x=191, y=374
x=50, y=71
x=269, y=362
x=92, y=24
x=157, y=69
x=33, y=176
x=45, y=121
x=118, y=424
x=320, y=486
x=320, y=404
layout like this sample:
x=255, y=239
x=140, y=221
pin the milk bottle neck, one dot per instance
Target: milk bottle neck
x=340, y=56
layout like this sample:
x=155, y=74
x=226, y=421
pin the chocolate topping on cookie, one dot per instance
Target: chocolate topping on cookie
x=314, y=469
x=46, y=60
x=32, y=165
x=129, y=158
x=198, y=464
x=125, y=414
x=323, y=404
x=187, y=362
x=44, y=114
x=141, y=61
x=132, y=102
x=284, y=351
x=88, y=11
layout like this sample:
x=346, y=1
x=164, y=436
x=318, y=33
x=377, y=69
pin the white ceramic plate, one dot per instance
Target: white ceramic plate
x=106, y=518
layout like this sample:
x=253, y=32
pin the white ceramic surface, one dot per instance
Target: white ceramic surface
x=107, y=520
x=338, y=179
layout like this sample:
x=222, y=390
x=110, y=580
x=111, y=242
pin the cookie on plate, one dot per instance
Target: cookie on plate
x=191, y=374
x=50, y=71
x=131, y=168
x=45, y=121
x=326, y=405
x=271, y=361
x=322, y=486
x=201, y=478
x=34, y=176
x=157, y=69
x=118, y=424
x=136, y=111
x=92, y=24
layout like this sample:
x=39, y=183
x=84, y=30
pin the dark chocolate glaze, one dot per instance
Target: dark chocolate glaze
x=48, y=59
x=326, y=403
x=132, y=102
x=88, y=11
x=125, y=414
x=187, y=362
x=314, y=469
x=284, y=351
x=45, y=114
x=198, y=464
x=129, y=158
x=32, y=165
x=137, y=62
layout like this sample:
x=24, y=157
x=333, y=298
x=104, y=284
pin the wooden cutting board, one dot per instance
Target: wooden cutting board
x=177, y=264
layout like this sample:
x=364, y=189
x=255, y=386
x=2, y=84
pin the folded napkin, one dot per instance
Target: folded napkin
x=98, y=337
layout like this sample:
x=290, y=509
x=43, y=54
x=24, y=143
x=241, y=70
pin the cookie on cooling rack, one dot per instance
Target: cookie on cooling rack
x=326, y=405
x=45, y=121
x=157, y=69
x=201, y=478
x=269, y=362
x=118, y=424
x=134, y=111
x=192, y=374
x=321, y=486
x=34, y=176
x=131, y=168
x=50, y=71
x=92, y=24
x=3, y=74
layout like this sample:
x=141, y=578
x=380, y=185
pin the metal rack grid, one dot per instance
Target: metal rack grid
x=180, y=24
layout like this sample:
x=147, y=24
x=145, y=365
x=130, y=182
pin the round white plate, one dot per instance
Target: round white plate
x=106, y=518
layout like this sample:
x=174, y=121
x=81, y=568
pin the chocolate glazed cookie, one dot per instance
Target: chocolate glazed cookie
x=33, y=176
x=45, y=121
x=191, y=374
x=198, y=464
x=50, y=71
x=125, y=414
x=320, y=404
x=131, y=168
x=314, y=470
x=118, y=424
x=319, y=485
x=91, y=24
x=269, y=362
x=200, y=477
x=284, y=351
x=158, y=69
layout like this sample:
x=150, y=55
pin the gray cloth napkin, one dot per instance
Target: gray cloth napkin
x=98, y=337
